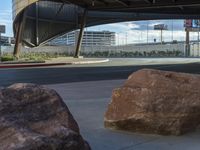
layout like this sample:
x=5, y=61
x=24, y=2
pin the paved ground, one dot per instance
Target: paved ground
x=88, y=101
x=59, y=61
x=115, y=69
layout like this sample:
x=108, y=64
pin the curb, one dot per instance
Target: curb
x=23, y=65
x=29, y=65
x=90, y=62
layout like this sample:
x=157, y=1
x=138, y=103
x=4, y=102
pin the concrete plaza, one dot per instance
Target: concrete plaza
x=88, y=101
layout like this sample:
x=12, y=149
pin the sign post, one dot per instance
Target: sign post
x=161, y=27
x=192, y=25
x=2, y=30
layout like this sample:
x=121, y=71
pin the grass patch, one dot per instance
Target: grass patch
x=7, y=58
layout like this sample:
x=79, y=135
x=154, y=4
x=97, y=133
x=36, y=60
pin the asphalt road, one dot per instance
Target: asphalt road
x=85, y=73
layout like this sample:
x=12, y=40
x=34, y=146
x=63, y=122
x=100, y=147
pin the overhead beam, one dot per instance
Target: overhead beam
x=51, y=21
x=123, y=3
x=150, y=1
x=145, y=6
x=102, y=1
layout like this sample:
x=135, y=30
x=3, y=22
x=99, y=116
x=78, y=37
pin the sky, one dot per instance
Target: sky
x=6, y=16
x=126, y=32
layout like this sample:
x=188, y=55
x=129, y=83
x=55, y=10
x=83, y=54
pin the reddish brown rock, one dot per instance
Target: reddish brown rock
x=158, y=102
x=35, y=118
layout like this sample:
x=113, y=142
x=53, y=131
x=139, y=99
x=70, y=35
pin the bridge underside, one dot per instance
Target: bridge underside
x=42, y=20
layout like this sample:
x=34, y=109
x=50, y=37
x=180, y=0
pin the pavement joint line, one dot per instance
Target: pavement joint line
x=88, y=100
x=77, y=83
x=133, y=146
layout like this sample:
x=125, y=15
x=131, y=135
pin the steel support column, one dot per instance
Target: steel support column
x=19, y=30
x=187, y=45
x=36, y=23
x=80, y=38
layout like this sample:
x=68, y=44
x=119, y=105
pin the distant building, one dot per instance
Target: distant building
x=90, y=38
x=4, y=40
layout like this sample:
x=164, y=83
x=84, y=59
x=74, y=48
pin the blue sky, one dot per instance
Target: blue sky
x=123, y=30
x=6, y=15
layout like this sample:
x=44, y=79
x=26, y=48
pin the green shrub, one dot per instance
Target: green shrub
x=124, y=54
x=7, y=58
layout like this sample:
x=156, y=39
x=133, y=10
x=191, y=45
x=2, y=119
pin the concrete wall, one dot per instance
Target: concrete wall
x=195, y=50
x=128, y=48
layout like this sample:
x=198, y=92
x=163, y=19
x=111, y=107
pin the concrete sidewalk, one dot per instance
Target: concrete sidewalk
x=88, y=101
x=78, y=61
x=60, y=61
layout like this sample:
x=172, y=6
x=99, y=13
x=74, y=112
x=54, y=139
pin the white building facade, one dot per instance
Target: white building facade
x=90, y=38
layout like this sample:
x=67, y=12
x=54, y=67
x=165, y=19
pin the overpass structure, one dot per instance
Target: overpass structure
x=37, y=21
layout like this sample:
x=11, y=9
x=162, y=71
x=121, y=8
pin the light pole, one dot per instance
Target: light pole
x=172, y=31
x=198, y=42
x=147, y=32
x=126, y=38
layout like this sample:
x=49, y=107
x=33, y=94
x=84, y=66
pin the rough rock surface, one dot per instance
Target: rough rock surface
x=157, y=102
x=33, y=117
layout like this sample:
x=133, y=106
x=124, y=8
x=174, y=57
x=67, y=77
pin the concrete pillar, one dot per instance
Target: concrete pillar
x=19, y=30
x=80, y=38
x=36, y=23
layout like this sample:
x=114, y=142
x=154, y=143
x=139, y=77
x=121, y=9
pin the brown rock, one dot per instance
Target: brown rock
x=33, y=117
x=159, y=102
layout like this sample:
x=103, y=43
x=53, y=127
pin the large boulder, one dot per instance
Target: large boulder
x=157, y=102
x=33, y=117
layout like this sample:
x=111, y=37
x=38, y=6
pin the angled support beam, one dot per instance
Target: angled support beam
x=19, y=30
x=123, y=3
x=149, y=1
x=102, y=1
x=36, y=23
x=80, y=38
